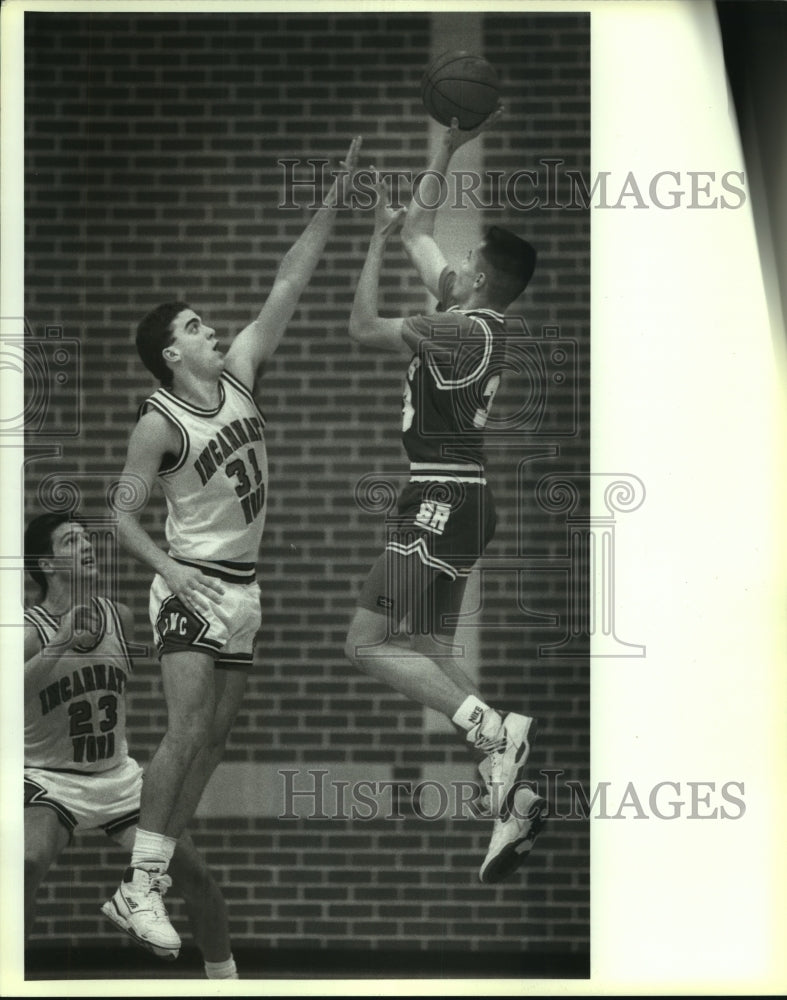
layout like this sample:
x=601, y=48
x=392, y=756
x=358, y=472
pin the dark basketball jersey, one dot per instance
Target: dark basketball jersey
x=458, y=359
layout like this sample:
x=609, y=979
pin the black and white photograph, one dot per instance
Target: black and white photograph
x=394, y=413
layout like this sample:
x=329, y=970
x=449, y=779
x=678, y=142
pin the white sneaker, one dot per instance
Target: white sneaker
x=506, y=744
x=513, y=837
x=138, y=909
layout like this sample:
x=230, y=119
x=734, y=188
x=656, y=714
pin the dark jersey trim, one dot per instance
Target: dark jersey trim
x=114, y=614
x=115, y=826
x=37, y=795
x=198, y=411
x=37, y=617
x=227, y=571
x=180, y=458
x=244, y=391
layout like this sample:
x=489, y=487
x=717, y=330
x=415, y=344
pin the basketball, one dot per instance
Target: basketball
x=460, y=85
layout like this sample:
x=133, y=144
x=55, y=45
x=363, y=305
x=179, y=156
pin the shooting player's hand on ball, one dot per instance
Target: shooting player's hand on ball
x=454, y=137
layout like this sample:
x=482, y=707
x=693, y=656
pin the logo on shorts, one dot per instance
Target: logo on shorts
x=384, y=602
x=179, y=627
x=433, y=516
x=173, y=623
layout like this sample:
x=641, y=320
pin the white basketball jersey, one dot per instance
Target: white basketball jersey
x=76, y=721
x=216, y=489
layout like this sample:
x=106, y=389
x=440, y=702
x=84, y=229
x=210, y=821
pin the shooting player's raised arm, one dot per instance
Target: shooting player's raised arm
x=418, y=229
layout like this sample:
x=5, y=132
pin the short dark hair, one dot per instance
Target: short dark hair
x=154, y=333
x=511, y=261
x=38, y=542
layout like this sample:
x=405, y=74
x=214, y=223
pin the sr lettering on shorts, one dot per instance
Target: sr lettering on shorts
x=433, y=516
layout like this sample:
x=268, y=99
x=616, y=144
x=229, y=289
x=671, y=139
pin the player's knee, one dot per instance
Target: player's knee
x=195, y=882
x=191, y=725
x=192, y=876
x=216, y=742
x=349, y=647
x=366, y=630
x=36, y=867
x=354, y=641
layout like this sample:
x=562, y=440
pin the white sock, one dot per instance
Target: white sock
x=470, y=712
x=152, y=848
x=221, y=970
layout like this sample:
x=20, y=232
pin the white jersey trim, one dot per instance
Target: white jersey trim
x=114, y=614
x=443, y=383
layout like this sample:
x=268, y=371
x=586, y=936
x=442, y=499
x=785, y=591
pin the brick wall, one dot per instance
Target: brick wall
x=151, y=172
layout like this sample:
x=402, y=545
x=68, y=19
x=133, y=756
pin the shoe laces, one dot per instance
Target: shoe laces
x=157, y=889
x=160, y=883
x=491, y=745
x=490, y=742
x=484, y=802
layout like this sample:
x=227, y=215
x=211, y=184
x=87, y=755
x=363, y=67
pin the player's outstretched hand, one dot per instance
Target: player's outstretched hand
x=456, y=137
x=350, y=162
x=349, y=165
x=193, y=588
x=386, y=219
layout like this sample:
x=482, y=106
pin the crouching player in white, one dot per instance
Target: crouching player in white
x=78, y=774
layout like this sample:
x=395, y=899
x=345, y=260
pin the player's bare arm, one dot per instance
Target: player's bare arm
x=367, y=327
x=418, y=229
x=126, y=620
x=255, y=344
x=152, y=439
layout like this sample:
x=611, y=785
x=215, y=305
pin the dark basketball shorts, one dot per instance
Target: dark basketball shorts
x=439, y=532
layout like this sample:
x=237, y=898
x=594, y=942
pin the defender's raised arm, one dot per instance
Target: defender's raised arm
x=257, y=342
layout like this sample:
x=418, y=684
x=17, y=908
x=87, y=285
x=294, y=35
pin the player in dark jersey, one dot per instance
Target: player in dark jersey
x=446, y=514
x=78, y=774
x=200, y=437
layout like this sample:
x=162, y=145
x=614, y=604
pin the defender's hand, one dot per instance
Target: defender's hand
x=350, y=162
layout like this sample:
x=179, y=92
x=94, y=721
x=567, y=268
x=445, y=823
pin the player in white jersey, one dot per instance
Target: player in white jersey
x=78, y=774
x=200, y=437
x=446, y=514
